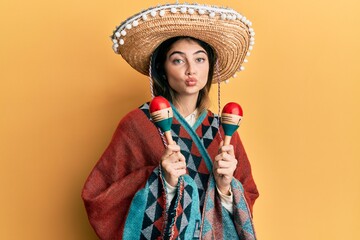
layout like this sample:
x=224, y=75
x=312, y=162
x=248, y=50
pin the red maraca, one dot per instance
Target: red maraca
x=162, y=114
x=230, y=120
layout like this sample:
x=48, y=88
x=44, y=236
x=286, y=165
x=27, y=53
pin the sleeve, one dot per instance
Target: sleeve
x=171, y=191
x=121, y=171
x=243, y=172
x=227, y=201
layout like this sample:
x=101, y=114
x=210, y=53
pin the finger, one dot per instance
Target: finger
x=215, y=166
x=224, y=156
x=228, y=149
x=177, y=172
x=169, y=158
x=224, y=164
x=219, y=157
x=180, y=172
x=178, y=165
x=168, y=152
x=181, y=157
x=171, y=162
x=228, y=158
x=175, y=157
x=224, y=171
x=173, y=147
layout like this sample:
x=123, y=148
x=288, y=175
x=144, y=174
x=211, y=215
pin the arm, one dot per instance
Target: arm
x=243, y=172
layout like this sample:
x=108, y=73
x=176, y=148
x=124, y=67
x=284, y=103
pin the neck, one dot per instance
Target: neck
x=186, y=104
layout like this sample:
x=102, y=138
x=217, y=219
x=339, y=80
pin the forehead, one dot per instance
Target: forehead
x=186, y=45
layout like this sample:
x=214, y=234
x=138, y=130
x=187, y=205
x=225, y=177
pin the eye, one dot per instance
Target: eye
x=200, y=59
x=177, y=61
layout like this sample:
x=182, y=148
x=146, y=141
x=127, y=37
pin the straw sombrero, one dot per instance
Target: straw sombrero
x=227, y=31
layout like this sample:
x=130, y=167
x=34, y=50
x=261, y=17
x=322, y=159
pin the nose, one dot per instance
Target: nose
x=190, y=69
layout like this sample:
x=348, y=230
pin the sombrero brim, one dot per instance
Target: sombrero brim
x=229, y=34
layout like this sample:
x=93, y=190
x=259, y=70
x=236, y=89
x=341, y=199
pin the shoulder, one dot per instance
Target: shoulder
x=137, y=114
x=135, y=120
x=136, y=129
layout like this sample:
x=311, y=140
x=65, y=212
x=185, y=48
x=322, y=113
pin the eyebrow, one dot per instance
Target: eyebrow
x=182, y=53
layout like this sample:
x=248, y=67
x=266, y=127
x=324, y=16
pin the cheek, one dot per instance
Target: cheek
x=205, y=73
x=171, y=71
x=172, y=79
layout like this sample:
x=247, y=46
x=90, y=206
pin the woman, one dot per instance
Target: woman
x=196, y=188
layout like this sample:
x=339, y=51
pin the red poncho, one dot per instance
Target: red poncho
x=124, y=194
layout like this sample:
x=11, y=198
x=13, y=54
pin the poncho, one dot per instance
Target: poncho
x=125, y=197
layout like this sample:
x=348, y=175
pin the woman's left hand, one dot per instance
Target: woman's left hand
x=224, y=167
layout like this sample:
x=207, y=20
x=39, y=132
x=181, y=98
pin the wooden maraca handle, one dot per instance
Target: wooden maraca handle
x=227, y=140
x=169, y=138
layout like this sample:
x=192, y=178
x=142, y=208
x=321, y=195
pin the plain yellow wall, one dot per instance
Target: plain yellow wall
x=63, y=92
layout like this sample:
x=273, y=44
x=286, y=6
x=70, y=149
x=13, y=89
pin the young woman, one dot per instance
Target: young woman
x=196, y=188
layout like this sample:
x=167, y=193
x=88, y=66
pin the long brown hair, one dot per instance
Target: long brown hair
x=161, y=85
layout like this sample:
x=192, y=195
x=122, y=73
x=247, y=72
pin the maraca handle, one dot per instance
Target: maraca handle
x=168, y=137
x=227, y=140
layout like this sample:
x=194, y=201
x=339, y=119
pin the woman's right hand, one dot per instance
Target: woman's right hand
x=173, y=164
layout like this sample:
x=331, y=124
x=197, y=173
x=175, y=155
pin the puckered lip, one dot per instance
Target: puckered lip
x=191, y=81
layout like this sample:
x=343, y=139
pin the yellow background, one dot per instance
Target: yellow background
x=63, y=92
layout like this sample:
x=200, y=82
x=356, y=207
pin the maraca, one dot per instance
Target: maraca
x=162, y=114
x=230, y=120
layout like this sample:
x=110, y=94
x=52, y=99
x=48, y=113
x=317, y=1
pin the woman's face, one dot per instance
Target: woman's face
x=186, y=67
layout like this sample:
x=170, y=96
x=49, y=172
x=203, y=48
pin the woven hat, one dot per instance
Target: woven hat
x=228, y=32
